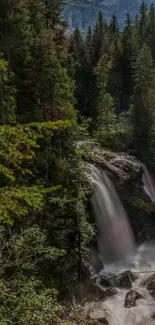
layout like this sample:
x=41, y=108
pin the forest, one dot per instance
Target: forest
x=59, y=88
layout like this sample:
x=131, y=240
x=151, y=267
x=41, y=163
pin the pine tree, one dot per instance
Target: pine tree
x=115, y=82
x=104, y=117
x=144, y=103
x=53, y=12
x=7, y=95
x=151, y=29
x=98, y=37
x=128, y=56
x=89, y=45
x=142, y=24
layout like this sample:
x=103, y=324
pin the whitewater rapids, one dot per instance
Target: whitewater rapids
x=118, y=253
x=113, y=308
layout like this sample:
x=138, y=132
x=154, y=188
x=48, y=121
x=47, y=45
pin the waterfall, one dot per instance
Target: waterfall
x=115, y=243
x=149, y=184
x=114, y=235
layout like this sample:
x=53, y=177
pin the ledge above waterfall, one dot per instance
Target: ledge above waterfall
x=120, y=164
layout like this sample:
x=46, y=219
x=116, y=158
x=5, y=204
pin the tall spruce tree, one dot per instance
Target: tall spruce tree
x=144, y=104
x=142, y=24
x=115, y=78
x=128, y=56
x=98, y=37
x=151, y=30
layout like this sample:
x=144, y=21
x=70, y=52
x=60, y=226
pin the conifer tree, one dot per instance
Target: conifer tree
x=98, y=37
x=115, y=82
x=128, y=56
x=151, y=29
x=105, y=118
x=144, y=103
x=7, y=95
x=142, y=24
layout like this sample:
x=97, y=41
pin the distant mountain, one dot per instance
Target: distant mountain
x=82, y=13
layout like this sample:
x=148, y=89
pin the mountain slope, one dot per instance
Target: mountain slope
x=82, y=13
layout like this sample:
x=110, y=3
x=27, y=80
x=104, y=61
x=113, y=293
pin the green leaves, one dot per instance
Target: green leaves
x=28, y=301
x=16, y=203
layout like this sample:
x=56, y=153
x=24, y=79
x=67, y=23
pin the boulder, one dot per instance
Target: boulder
x=110, y=292
x=104, y=282
x=125, y=280
x=131, y=297
x=151, y=283
x=95, y=292
x=152, y=293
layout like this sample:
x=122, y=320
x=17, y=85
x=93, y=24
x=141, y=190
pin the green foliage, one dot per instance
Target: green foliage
x=19, y=202
x=28, y=301
x=144, y=103
x=7, y=95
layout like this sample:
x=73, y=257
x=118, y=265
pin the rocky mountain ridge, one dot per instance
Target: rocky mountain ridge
x=82, y=13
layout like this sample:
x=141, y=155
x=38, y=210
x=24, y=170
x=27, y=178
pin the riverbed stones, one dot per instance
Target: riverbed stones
x=151, y=283
x=130, y=299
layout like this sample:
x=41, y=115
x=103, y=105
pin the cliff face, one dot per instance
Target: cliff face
x=82, y=13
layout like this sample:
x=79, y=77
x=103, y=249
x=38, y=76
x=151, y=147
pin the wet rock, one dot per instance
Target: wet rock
x=110, y=292
x=133, y=276
x=94, y=261
x=130, y=299
x=96, y=292
x=104, y=282
x=152, y=293
x=151, y=283
x=102, y=320
x=125, y=280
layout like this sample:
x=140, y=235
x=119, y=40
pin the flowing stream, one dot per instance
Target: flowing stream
x=118, y=252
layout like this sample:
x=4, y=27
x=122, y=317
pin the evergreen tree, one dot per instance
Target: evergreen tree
x=144, y=103
x=151, y=29
x=98, y=37
x=128, y=56
x=142, y=24
x=89, y=45
x=7, y=95
x=115, y=78
x=105, y=119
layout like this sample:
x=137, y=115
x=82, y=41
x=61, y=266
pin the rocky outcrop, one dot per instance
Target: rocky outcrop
x=130, y=299
x=117, y=164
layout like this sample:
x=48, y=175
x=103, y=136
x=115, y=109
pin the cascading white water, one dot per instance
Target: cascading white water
x=115, y=242
x=149, y=184
x=113, y=308
x=115, y=238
